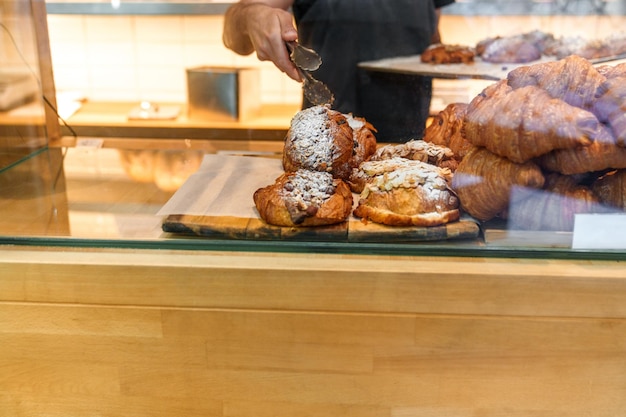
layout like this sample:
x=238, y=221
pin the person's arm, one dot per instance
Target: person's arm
x=436, y=37
x=262, y=26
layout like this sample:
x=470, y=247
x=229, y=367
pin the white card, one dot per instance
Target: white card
x=599, y=231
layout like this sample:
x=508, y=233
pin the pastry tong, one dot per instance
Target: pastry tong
x=306, y=60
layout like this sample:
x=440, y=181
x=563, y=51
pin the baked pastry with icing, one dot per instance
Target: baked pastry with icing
x=304, y=198
x=320, y=139
x=417, y=150
x=404, y=192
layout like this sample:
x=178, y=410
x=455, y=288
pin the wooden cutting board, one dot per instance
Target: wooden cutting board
x=233, y=180
x=353, y=230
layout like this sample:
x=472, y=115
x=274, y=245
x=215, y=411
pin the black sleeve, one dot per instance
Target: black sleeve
x=442, y=3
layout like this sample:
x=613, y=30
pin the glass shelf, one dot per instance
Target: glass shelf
x=87, y=198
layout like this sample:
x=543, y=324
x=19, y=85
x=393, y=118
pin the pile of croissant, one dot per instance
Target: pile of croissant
x=547, y=142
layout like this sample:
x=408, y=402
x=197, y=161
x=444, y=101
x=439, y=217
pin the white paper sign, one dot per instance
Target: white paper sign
x=599, y=231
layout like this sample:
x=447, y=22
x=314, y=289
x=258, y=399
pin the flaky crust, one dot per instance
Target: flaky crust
x=526, y=122
x=483, y=181
x=272, y=203
x=418, y=150
x=602, y=154
x=407, y=207
x=611, y=189
x=364, y=140
x=413, y=150
x=401, y=192
x=319, y=139
x=446, y=130
x=573, y=80
x=554, y=207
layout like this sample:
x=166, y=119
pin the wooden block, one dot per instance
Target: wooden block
x=372, y=232
x=258, y=229
x=335, y=232
x=353, y=230
x=213, y=226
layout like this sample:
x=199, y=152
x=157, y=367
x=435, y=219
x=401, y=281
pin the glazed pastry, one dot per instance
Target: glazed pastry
x=403, y=192
x=553, y=207
x=526, y=122
x=304, y=198
x=446, y=129
x=602, y=154
x=573, y=80
x=320, y=139
x=483, y=182
x=610, y=106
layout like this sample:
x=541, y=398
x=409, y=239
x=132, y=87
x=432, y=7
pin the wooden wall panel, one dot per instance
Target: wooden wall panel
x=66, y=355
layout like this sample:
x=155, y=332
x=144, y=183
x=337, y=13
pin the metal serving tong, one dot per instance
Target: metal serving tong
x=306, y=60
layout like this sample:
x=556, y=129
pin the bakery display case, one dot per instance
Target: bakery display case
x=138, y=276
x=162, y=163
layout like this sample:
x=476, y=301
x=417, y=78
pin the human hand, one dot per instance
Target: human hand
x=268, y=29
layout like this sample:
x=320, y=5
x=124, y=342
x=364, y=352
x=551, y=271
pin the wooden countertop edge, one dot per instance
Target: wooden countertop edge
x=320, y=282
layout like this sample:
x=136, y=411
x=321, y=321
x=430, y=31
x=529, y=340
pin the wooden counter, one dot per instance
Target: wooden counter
x=165, y=333
x=111, y=120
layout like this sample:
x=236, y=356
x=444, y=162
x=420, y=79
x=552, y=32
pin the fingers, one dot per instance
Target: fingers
x=268, y=31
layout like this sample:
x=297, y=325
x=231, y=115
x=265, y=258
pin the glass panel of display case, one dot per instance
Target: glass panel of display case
x=26, y=87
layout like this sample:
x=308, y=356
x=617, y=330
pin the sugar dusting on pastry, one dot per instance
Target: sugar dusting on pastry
x=311, y=138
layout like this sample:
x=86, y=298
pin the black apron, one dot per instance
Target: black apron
x=346, y=32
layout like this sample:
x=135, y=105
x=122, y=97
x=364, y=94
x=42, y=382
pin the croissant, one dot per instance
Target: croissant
x=610, y=106
x=612, y=71
x=483, y=182
x=602, y=154
x=446, y=129
x=514, y=49
x=611, y=189
x=554, y=207
x=572, y=79
x=524, y=123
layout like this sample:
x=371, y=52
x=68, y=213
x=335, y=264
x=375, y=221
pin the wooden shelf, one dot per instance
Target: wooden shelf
x=98, y=119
